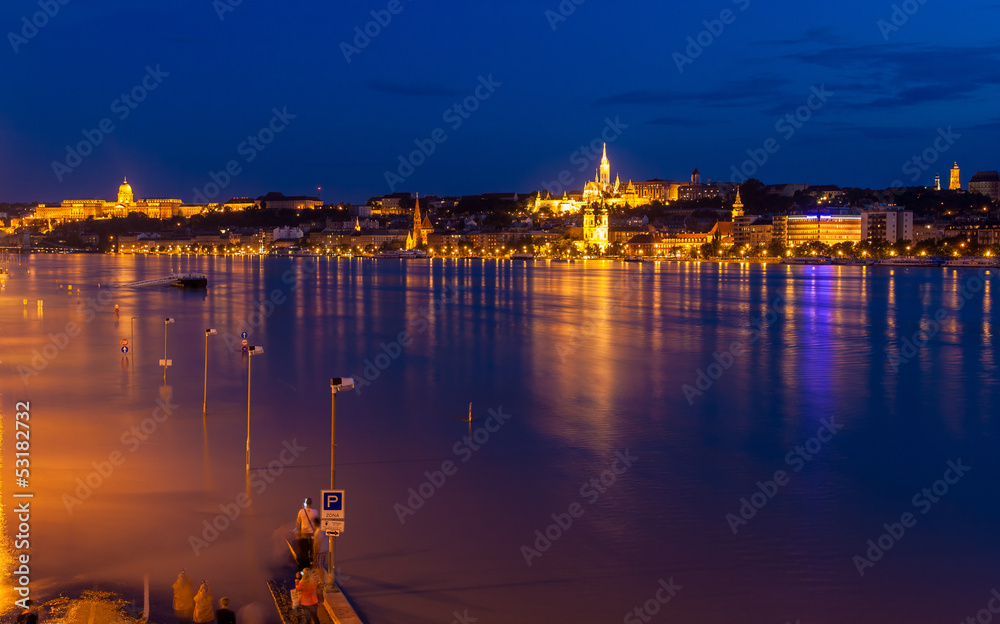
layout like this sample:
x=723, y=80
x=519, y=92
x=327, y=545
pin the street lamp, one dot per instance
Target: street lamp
x=251, y=351
x=165, y=362
x=337, y=384
x=204, y=405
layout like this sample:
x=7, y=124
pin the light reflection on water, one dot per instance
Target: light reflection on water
x=590, y=359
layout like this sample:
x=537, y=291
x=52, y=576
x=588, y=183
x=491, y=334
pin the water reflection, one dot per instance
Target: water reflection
x=589, y=358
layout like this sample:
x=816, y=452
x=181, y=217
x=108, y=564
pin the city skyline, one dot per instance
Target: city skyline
x=868, y=88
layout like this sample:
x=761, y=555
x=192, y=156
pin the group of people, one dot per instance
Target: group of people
x=197, y=607
x=307, y=527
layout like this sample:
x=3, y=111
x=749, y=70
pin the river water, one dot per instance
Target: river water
x=630, y=420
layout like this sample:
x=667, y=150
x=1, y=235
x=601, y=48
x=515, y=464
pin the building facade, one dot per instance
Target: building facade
x=986, y=183
x=889, y=226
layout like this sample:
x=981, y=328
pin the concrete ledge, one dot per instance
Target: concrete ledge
x=340, y=610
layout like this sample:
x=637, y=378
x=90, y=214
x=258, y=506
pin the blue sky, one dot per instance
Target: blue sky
x=554, y=85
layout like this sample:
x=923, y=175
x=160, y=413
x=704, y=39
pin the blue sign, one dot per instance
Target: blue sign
x=124, y=350
x=333, y=505
x=243, y=335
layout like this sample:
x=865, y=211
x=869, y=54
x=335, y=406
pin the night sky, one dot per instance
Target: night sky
x=554, y=84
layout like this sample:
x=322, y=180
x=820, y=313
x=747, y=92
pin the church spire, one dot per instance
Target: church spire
x=738, y=205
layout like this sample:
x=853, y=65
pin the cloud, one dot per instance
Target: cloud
x=415, y=89
x=893, y=76
x=823, y=34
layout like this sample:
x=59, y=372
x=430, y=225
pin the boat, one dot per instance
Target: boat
x=632, y=259
x=924, y=261
x=854, y=261
x=808, y=260
x=971, y=262
x=522, y=256
x=189, y=280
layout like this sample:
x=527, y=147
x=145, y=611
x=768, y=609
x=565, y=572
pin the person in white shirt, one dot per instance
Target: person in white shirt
x=306, y=524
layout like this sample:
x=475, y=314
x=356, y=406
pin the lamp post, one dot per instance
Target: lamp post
x=251, y=351
x=165, y=361
x=337, y=384
x=204, y=405
x=131, y=335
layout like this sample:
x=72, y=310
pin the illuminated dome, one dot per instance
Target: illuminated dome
x=125, y=195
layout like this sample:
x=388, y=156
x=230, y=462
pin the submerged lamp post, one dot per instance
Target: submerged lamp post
x=204, y=405
x=337, y=384
x=251, y=351
x=165, y=362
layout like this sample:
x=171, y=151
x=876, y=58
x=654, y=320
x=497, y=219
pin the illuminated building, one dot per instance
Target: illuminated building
x=657, y=190
x=81, y=209
x=937, y=181
x=421, y=228
x=600, y=189
x=742, y=223
x=890, y=226
x=595, y=226
x=986, y=183
x=797, y=230
x=279, y=201
x=697, y=190
x=956, y=178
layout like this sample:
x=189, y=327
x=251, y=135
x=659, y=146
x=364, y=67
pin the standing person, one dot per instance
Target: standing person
x=29, y=615
x=224, y=615
x=309, y=600
x=203, y=602
x=305, y=526
x=183, y=598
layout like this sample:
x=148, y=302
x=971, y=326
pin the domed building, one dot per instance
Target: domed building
x=81, y=209
x=125, y=196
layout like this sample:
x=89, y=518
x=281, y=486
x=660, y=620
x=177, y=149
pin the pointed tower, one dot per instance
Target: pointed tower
x=956, y=178
x=737, y=205
x=605, y=180
x=937, y=180
x=695, y=176
x=618, y=183
x=416, y=232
